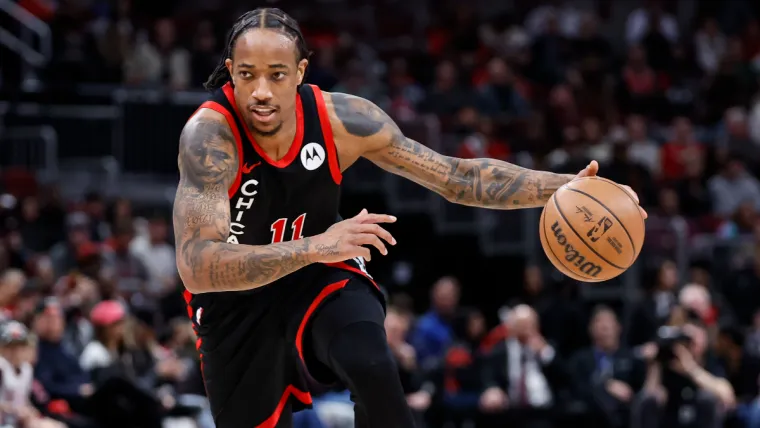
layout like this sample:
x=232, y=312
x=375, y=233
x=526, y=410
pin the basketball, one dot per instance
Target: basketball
x=591, y=229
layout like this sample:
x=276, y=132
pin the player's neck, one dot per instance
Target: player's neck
x=277, y=146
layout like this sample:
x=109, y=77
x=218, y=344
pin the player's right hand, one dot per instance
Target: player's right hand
x=352, y=237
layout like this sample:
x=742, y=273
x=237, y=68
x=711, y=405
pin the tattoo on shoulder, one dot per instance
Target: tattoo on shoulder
x=360, y=117
x=207, y=154
x=208, y=162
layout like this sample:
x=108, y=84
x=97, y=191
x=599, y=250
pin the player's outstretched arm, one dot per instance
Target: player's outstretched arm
x=477, y=182
x=208, y=165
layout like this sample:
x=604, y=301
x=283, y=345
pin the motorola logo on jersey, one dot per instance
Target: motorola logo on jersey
x=312, y=156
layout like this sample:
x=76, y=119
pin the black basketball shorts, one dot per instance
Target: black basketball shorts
x=252, y=343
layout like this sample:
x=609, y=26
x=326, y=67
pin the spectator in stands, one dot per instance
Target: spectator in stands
x=742, y=290
x=462, y=367
x=75, y=50
x=95, y=208
x=751, y=42
x=561, y=319
x=161, y=61
x=432, y=334
x=34, y=232
x=120, y=211
x=596, y=143
x=592, y=53
x=405, y=93
x=58, y=370
x=130, y=273
x=11, y=283
x=397, y=325
x=567, y=15
x=17, y=354
x=504, y=36
x=550, y=53
x=741, y=223
x=499, y=98
x=736, y=138
x=642, y=20
x=753, y=336
x=642, y=149
x=713, y=311
x=115, y=38
x=742, y=371
x=155, y=253
x=681, y=150
x=64, y=254
x=447, y=93
x=732, y=187
x=523, y=376
x=606, y=375
x=685, y=388
x=357, y=80
x=102, y=352
x=650, y=313
x=667, y=225
x=639, y=82
x=733, y=85
x=205, y=53
x=754, y=121
x=710, y=46
x=483, y=141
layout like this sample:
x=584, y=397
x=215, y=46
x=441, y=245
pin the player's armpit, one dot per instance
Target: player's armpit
x=477, y=182
x=208, y=163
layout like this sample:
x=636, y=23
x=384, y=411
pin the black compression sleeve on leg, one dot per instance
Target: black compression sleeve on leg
x=347, y=335
x=359, y=355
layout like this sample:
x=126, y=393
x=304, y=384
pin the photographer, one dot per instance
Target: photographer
x=683, y=386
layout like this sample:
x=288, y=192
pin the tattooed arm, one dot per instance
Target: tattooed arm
x=208, y=165
x=477, y=182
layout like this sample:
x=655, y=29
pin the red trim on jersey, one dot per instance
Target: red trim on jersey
x=348, y=267
x=213, y=105
x=302, y=396
x=327, y=134
x=188, y=296
x=295, y=146
x=313, y=307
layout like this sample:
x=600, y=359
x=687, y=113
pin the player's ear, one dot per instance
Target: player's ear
x=302, y=69
x=228, y=64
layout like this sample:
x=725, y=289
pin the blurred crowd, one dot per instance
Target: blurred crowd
x=97, y=332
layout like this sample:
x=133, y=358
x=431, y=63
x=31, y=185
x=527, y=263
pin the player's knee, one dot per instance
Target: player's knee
x=361, y=350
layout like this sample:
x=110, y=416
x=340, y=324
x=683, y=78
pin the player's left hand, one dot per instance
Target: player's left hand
x=593, y=168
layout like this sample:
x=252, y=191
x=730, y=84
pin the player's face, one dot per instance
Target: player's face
x=266, y=78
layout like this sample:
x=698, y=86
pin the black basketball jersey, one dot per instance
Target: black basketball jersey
x=273, y=201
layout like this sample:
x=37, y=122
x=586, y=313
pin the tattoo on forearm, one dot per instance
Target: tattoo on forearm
x=208, y=163
x=327, y=250
x=477, y=182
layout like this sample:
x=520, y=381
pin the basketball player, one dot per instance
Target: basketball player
x=276, y=283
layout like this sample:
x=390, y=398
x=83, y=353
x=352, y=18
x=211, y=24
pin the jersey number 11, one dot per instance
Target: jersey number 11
x=278, y=229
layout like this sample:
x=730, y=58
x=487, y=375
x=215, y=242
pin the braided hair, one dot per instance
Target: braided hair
x=263, y=17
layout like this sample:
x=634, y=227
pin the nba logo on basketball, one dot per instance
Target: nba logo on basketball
x=599, y=229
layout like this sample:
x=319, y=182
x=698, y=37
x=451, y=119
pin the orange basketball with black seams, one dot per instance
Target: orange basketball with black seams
x=592, y=229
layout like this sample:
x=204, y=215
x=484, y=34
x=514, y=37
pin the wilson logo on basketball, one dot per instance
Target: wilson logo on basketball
x=574, y=256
